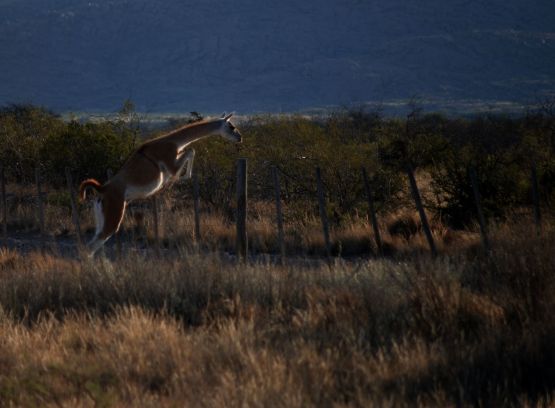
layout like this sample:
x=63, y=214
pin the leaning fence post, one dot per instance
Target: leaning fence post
x=420, y=208
x=372, y=212
x=196, y=207
x=279, y=215
x=323, y=212
x=242, y=241
x=478, y=202
x=4, y=204
x=74, y=211
x=536, y=198
x=40, y=205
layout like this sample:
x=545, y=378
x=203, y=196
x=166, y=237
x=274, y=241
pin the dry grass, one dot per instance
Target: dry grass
x=353, y=237
x=401, y=230
x=194, y=330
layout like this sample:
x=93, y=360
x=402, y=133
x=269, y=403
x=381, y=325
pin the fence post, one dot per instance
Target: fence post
x=74, y=211
x=156, y=225
x=478, y=202
x=196, y=206
x=242, y=241
x=372, y=212
x=279, y=215
x=536, y=198
x=418, y=201
x=40, y=205
x=323, y=212
x=4, y=204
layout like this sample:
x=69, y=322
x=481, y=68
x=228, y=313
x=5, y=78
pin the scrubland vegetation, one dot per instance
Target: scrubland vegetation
x=192, y=327
x=500, y=148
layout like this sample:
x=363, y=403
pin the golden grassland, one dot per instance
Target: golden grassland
x=196, y=329
x=351, y=236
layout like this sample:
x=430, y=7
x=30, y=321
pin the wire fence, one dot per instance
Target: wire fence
x=137, y=211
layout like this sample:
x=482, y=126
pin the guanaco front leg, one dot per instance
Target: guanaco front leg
x=185, y=159
x=174, y=171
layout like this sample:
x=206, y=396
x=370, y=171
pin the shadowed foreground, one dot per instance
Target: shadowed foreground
x=465, y=329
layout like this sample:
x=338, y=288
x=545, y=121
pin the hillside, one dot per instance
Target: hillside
x=258, y=55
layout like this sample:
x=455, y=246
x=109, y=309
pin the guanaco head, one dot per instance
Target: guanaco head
x=229, y=131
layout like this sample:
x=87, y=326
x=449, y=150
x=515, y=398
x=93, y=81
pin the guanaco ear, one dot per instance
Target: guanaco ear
x=226, y=117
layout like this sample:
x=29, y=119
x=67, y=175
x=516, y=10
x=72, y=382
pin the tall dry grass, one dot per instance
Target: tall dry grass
x=464, y=329
x=351, y=236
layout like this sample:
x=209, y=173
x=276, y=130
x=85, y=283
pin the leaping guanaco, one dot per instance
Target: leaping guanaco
x=155, y=164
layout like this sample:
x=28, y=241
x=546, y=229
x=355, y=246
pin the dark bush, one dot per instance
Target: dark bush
x=87, y=149
x=23, y=130
x=32, y=137
x=501, y=150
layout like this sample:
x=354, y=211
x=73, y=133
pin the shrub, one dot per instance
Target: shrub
x=88, y=149
x=33, y=137
x=23, y=130
x=495, y=148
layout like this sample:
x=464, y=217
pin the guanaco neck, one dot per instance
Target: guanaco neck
x=181, y=137
x=193, y=132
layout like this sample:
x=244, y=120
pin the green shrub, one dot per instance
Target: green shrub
x=87, y=149
x=23, y=130
x=501, y=150
x=32, y=137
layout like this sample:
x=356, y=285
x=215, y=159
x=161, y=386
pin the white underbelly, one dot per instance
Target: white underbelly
x=134, y=192
x=98, y=216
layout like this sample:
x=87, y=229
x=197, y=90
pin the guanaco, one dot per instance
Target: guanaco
x=154, y=165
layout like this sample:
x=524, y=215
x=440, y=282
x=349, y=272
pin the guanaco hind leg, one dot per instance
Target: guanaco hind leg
x=108, y=213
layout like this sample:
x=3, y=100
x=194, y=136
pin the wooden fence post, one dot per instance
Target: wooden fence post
x=4, y=204
x=478, y=202
x=196, y=206
x=536, y=198
x=372, y=212
x=156, y=225
x=420, y=208
x=323, y=212
x=74, y=210
x=40, y=205
x=242, y=241
x=279, y=215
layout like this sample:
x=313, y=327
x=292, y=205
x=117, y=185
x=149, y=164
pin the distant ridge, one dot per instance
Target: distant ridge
x=282, y=56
